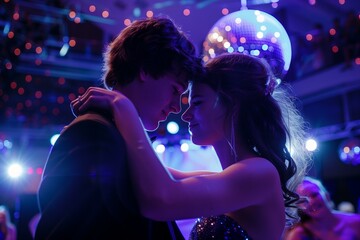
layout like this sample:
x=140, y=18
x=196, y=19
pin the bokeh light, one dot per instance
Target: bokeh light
x=172, y=127
x=160, y=148
x=349, y=151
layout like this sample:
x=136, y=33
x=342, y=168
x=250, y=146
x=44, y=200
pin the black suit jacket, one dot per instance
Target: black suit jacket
x=86, y=192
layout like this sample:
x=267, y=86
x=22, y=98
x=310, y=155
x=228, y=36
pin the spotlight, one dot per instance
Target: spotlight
x=15, y=170
x=311, y=145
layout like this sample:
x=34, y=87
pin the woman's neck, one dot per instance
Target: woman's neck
x=229, y=155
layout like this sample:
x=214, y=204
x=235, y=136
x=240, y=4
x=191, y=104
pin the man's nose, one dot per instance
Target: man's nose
x=175, y=106
x=175, y=109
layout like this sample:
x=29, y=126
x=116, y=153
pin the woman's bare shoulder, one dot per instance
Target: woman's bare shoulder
x=260, y=166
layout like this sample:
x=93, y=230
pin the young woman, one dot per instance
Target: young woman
x=252, y=126
x=318, y=218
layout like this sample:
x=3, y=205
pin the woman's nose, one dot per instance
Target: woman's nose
x=186, y=116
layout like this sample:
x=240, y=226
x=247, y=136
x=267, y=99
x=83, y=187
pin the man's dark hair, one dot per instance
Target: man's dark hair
x=156, y=46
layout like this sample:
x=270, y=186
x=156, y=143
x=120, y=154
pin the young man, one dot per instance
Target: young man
x=86, y=191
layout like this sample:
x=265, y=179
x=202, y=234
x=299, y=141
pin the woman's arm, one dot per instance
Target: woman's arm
x=162, y=197
x=176, y=174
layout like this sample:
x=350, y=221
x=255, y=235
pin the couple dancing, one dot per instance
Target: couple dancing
x=103, y=180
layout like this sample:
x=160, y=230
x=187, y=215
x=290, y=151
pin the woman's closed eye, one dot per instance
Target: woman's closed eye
x=196, y=103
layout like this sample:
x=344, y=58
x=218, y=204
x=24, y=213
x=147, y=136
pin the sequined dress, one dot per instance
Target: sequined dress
x=217, y=227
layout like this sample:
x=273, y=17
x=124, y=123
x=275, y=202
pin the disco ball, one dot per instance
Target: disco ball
x=349, y=151
x=250, y=32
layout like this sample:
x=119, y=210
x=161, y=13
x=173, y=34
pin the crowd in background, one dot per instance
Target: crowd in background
x=322, y=48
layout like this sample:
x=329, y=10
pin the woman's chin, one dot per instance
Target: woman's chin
x=198, y=141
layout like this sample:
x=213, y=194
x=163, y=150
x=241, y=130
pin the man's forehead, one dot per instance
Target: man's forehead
x=184, y=84
x=182, y=81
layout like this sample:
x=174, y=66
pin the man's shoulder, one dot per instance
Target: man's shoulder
x=91, y=124
x=92, y=117
x=87, y=134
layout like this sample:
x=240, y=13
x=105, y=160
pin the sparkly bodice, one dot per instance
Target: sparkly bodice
x=217, y=227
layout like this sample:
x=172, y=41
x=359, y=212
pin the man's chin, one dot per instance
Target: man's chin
x=151, y=127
